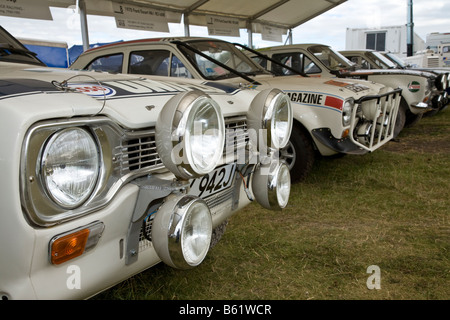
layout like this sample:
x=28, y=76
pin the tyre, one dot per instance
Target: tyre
x=412, y=119
x=299, y=154
x=401, y=118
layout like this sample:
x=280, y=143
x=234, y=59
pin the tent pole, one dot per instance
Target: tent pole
x=410, y=30
x=250, y=35
x=84, y=25
x=186, y=25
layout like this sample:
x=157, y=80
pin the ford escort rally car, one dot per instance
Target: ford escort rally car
x=104, y=176
x=420, y=90
x=330, y=116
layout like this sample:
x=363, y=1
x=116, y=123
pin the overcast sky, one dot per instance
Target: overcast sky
x=329, y=28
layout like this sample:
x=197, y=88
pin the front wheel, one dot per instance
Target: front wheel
x=299, y=154
x=412, y=119
x=401, y=118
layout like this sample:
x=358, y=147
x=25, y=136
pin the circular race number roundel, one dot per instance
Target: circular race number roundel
x=94, y=90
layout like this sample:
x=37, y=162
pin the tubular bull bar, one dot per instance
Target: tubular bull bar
x=373, y=119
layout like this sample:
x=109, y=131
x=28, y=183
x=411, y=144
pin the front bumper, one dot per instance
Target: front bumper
x=344, y=145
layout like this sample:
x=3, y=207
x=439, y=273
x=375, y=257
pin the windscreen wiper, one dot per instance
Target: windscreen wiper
x=10, y=48
x=239, y=74
x=259, y=54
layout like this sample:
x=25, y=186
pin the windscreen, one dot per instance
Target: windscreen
x=223, y=52
x=11, y=50
x=381, y=61
x=330, y=58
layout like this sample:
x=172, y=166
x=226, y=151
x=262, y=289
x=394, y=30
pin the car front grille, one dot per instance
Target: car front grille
x=138, y=150
x=236, y=134
x=140, y=153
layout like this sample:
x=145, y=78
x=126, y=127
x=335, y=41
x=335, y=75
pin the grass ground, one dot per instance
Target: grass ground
x=389, y=209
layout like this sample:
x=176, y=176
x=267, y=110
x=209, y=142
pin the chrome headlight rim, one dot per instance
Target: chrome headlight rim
x=39, y=208
x=46, y=170
x=201, y=102
x=281, y=185
x=271, y=110
x=276, y=179
x=347, y=109
x=263, y=122
x=178, y=120
x=182, y=231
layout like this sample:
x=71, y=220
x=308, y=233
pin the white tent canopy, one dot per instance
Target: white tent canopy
x=259, y=16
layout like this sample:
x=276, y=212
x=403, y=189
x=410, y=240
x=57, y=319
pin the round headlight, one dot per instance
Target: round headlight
x=270, y=119
x=190, y=134
x=271, y=185
x=70, y=167
x=347, y=112
x=181, y=231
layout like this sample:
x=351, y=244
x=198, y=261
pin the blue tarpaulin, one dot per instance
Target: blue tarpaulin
x=55, y=54
x=76, y=50
x=51, y=56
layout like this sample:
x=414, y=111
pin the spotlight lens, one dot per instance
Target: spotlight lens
x=283, y=185
x=281, y=123
x=204, y=136
x=196, y=235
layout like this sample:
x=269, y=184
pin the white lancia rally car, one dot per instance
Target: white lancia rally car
x=104, y=176
x=331, y=116
x=421, y=91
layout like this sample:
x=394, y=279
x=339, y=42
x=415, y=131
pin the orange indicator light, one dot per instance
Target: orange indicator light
x=345, y=133
x=69, y=246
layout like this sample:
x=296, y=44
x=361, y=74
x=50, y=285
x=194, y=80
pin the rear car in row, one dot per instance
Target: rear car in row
x=421, y=90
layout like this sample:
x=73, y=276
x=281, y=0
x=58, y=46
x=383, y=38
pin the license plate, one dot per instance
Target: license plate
x=216, y=181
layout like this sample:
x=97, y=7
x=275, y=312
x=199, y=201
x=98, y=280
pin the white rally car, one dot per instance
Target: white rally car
x=441, y=102
x=420, y=90
x=104, y=176
x=370, y=59
x=330, y=116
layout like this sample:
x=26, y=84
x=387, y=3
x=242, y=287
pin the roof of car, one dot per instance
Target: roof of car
x=357, y=50
x=297, y=45
x=148, y=40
